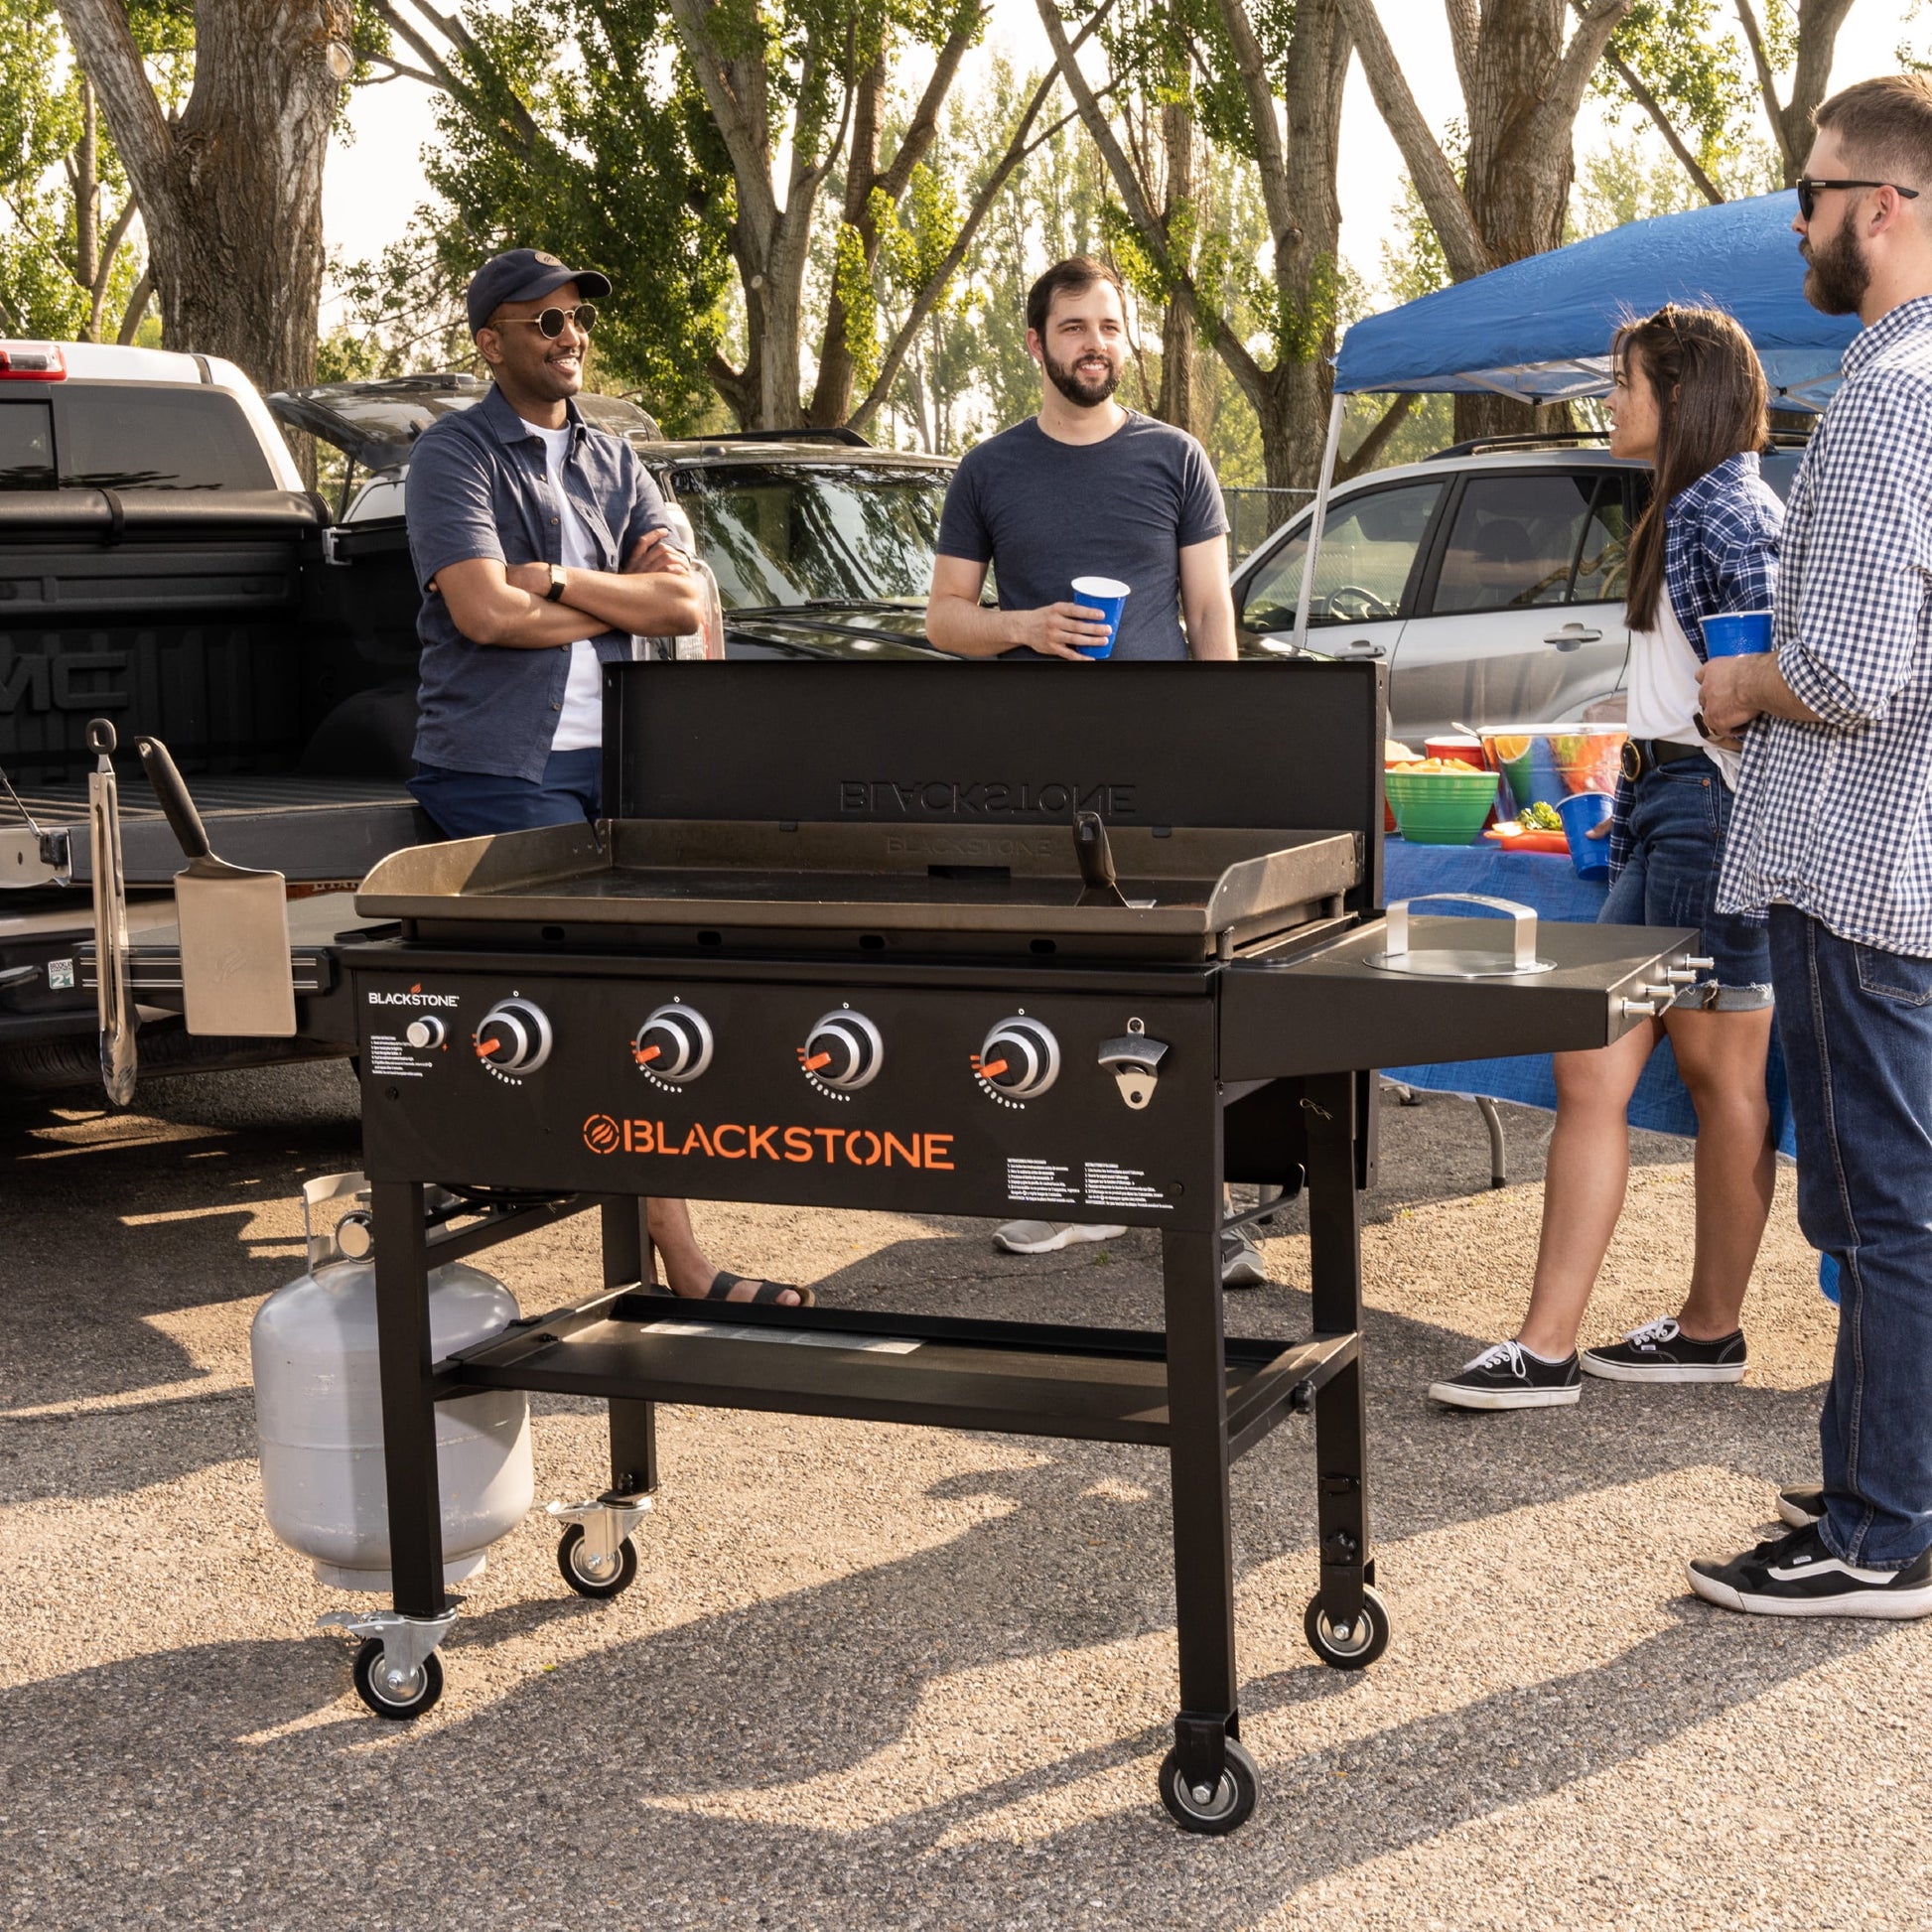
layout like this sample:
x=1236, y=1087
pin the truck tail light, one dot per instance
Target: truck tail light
x=32, y=363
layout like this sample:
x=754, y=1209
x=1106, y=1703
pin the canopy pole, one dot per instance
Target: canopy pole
x=1320, y=515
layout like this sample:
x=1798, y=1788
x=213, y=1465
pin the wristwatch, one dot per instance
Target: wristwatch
x=555, y=594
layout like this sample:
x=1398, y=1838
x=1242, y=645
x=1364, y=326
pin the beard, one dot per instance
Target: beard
x=1839, y=275
x=1084, y=391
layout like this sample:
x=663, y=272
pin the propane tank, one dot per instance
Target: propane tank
x=319, y=1406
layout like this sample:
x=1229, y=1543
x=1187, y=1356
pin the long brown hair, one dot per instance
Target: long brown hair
x=1711, y=405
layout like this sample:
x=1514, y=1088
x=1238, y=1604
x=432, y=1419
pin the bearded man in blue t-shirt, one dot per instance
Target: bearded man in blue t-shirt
x=1084, y=488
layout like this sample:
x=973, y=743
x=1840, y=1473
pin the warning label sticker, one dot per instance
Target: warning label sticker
x=1109, y=1185
x=396, y=1059
x=1040, y=1182
x=1100, y=1184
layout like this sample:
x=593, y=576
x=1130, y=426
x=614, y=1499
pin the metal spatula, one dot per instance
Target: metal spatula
x=235, y=973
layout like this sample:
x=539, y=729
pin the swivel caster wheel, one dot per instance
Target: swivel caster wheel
x=1211, y=1813
x=1353, y=1645
x=592, y=1575
x=397, y=1695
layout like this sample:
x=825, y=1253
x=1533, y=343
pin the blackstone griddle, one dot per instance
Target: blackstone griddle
x=1052, y=941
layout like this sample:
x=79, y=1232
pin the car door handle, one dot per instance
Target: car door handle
x=1361, y=647
x=1573, y=635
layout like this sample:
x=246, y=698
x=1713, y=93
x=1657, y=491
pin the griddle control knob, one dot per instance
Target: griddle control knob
x=674, y=1043
x=432, y=1030
x=843, y=1051
x=1020, y=1058
x=513, y=1037
x=1135, y=1062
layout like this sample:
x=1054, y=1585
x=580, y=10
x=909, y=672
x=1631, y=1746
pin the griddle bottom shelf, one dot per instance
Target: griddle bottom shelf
x=1012, y=1378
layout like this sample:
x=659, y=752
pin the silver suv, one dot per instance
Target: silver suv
x=1491, y=576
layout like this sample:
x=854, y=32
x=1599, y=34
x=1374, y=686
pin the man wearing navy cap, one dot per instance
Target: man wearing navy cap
x=539, y=544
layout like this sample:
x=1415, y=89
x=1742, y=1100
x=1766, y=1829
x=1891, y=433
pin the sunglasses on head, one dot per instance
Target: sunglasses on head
x=1810, y=187
x=551, y=321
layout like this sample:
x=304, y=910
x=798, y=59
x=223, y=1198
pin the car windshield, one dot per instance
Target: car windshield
x=810, y=531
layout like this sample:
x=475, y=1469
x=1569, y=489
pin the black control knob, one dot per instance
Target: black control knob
x=432, y=1030
x=843, y=1050
x=1020, y=1058
x=673, y=1044
x=513, y=1037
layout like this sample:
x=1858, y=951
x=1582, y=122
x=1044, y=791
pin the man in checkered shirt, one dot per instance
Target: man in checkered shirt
x=1831, y=832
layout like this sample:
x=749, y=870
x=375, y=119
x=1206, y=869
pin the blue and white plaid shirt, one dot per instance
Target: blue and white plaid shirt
x=1836, y=817
x=1721, y=553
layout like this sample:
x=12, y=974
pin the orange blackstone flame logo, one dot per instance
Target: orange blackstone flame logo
x=601, y=1134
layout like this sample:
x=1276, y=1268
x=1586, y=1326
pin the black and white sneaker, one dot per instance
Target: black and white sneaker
x=1803, y=1506
x=1508, y=1376
x=1660, y=1351
x=1797, y=1576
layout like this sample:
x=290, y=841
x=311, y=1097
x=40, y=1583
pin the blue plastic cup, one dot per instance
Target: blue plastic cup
x=1106, y=595
x=1580, y=812
x=1737, y=633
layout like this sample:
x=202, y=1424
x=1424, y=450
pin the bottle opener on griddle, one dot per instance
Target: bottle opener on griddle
x=235, y=973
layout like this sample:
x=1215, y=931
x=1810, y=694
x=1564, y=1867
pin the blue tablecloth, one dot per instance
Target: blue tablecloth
x=1549, y=883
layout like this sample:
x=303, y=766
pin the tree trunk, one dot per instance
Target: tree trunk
x=87, y=196
x=1176, y=404
x=1307, y=255
x=832, y=392
x=231, y=193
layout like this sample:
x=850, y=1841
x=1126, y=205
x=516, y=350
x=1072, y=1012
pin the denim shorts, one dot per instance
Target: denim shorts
x=1678, y=820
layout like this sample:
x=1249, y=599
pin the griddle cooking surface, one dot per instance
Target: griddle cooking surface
x=682, y=885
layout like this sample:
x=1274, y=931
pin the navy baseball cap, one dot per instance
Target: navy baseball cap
x=524, y=275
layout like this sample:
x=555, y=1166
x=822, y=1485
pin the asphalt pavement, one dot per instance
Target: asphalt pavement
x=876, y=1678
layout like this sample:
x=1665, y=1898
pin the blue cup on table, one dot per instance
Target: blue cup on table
x=1580, y=812
x=1106, y=595
x=1737, y=633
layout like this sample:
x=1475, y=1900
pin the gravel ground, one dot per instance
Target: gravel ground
x=898, y=1678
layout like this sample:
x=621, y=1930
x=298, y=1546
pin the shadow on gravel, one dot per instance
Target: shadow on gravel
x=764, y=1743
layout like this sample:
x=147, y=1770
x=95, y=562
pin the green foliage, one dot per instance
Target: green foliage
x=41, y=125
x=573, y=131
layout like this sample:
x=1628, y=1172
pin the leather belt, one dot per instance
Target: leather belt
x=1641, y=755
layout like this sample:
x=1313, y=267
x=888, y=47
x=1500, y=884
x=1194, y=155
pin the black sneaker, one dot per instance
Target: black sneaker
x=1796, y=1575
x=1802, y=1507
x=1508, y=1376
x=1660, y=1351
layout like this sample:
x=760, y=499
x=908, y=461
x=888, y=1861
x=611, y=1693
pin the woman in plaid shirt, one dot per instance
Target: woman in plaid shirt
x=1689, y=398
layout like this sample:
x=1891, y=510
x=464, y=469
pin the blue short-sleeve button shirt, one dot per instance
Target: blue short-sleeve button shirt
x=476, y=486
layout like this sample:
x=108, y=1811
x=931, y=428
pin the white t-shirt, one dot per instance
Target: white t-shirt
x=580, y=726
x=1664, y=689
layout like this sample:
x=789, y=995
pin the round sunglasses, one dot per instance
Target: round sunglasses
x=551, y=321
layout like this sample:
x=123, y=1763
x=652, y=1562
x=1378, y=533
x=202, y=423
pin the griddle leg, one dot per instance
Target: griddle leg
x=1204, y=1538
x=1340, y=1437
x=633, y=1425
x=408, y=1412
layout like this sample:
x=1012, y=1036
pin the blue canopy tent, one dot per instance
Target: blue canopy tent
x=1540, y=330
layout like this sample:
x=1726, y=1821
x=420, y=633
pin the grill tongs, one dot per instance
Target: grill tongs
x=1096, y=860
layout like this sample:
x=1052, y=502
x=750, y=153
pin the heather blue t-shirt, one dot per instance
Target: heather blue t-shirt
x=1043, y=513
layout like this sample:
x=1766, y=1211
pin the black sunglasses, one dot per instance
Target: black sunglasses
x=1810, y=187
x=551, y=321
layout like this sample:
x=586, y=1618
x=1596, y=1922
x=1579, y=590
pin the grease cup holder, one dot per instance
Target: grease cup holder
x=1461, y=962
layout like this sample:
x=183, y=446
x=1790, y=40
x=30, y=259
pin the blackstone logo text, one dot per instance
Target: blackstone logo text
x=981, y=798
x=415, y=997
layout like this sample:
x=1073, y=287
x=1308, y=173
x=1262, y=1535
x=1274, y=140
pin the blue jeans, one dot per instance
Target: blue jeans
x=1855, y=1024
x=468, y=804
x=1678, y=815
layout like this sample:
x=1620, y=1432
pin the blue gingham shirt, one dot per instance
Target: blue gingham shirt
x=1720, y=554
x=1836, y=817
